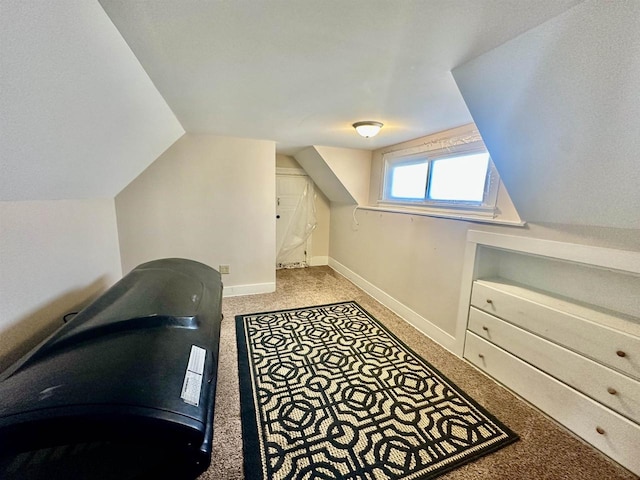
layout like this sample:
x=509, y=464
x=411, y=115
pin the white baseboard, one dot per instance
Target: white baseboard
x=318, y=261
x=253, y=289
x=432, y=331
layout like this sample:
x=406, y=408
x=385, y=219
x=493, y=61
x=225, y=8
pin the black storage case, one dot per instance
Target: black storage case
x=126, y=388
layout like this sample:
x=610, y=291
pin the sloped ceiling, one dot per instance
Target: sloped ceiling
x=341, y=173
x=300, y=72
x=79, y=116
x=559, y=109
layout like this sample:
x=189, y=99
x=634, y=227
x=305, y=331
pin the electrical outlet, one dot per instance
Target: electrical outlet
x=224, y=269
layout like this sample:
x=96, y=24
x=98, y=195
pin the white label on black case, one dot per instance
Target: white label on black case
x=193, y=377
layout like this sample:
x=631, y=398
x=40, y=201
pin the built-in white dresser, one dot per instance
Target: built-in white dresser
x=559, y=324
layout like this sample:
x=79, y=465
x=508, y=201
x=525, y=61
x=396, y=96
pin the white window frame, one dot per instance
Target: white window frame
x=486, y=208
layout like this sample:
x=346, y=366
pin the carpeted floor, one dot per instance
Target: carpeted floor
x=545, y=450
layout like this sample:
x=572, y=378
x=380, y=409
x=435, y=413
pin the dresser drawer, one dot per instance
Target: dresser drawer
x=614, y=389
x=552, y=319
x=620, y=437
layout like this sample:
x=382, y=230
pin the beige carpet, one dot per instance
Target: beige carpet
x=545, y=450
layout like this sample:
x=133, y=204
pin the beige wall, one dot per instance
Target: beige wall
x=210, y=199
x=285, y=161
x=416, y=260
x=55, y=257
x=320, y=236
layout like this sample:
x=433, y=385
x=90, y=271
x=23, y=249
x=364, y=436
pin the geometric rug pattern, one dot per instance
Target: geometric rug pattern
x=327, y=392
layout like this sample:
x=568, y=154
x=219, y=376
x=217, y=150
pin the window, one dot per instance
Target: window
x=458, y=178
x=408, y=180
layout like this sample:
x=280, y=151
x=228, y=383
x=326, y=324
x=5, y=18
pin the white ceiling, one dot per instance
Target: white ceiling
x=79, y=116
x=558, y=107
x=300, y=72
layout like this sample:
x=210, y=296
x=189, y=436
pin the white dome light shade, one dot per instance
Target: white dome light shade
x=367, y=129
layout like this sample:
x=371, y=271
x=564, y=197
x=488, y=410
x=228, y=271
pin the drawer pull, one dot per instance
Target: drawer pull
x=489, y=301
x=600, y=430
x=480, y=355
x=620, y=353
x=612, y=390
x=485, y=328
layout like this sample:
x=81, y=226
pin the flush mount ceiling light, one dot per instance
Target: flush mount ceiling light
x=367, y=129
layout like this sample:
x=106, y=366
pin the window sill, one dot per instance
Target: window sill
x=479, y=217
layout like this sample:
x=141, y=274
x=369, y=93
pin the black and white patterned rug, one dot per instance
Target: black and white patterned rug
x=327, y=392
